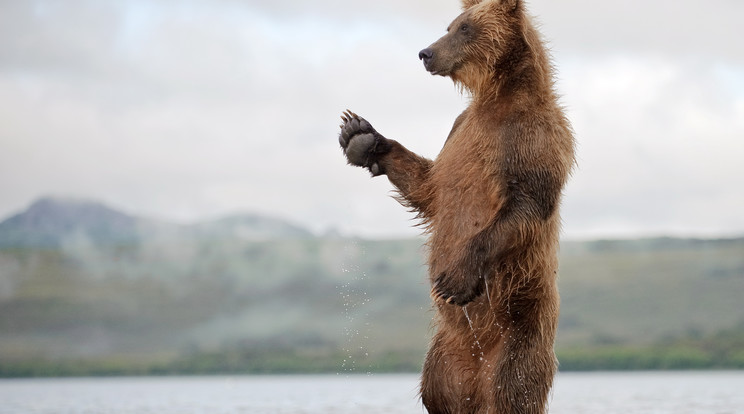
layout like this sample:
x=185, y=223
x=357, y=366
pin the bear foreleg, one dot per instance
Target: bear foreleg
x=409, y=173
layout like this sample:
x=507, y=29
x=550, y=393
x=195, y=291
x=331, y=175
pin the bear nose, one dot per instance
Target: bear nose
x=426, y=54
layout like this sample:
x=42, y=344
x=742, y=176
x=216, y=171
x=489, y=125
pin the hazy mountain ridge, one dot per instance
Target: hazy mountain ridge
x=53, y=222
x=214, y=292
x=249, y=227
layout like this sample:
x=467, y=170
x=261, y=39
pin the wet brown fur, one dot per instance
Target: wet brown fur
x=490, y=204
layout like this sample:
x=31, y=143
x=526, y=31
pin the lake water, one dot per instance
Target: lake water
x=574, y=393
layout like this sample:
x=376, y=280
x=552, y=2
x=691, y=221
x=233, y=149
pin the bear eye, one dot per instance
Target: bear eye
x=464, y=27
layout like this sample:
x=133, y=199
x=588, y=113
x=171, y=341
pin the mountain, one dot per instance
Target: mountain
x=250, y=227
x=248, y=293
x=54, y=222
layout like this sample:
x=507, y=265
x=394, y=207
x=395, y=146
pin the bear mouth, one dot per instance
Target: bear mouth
x=440, y=70
x=432, y=69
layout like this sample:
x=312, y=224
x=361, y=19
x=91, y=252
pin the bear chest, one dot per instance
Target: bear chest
x=467, y=185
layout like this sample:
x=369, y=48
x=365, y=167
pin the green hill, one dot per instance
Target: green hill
x=640, y=291
x=310, y=304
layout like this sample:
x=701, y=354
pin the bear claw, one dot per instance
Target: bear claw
x=464, y=292
x=362, y=145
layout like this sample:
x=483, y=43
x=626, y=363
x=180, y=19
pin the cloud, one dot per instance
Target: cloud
x=184, y=110
x=660, y=148
x=691, y=28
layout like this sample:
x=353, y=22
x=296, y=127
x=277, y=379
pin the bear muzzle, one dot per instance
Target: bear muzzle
x=427, y=56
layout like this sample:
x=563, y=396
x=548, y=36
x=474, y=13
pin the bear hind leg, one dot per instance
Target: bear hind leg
x=448, y=383
x=522, y=382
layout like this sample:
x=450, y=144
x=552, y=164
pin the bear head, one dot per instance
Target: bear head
x=477, y=43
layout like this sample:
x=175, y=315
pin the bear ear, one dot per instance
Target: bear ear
x=466, y=4
x=512, y=4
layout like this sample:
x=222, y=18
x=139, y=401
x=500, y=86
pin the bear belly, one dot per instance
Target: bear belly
x=467, y=198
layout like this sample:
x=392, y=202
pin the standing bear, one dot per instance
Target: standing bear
x=489, y=202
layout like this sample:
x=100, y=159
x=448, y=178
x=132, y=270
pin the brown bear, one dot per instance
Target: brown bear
x=489, y=202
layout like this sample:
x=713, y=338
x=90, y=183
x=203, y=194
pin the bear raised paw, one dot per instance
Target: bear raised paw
x=362, y=145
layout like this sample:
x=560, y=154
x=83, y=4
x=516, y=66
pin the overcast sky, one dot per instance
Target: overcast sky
x=186, y=110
